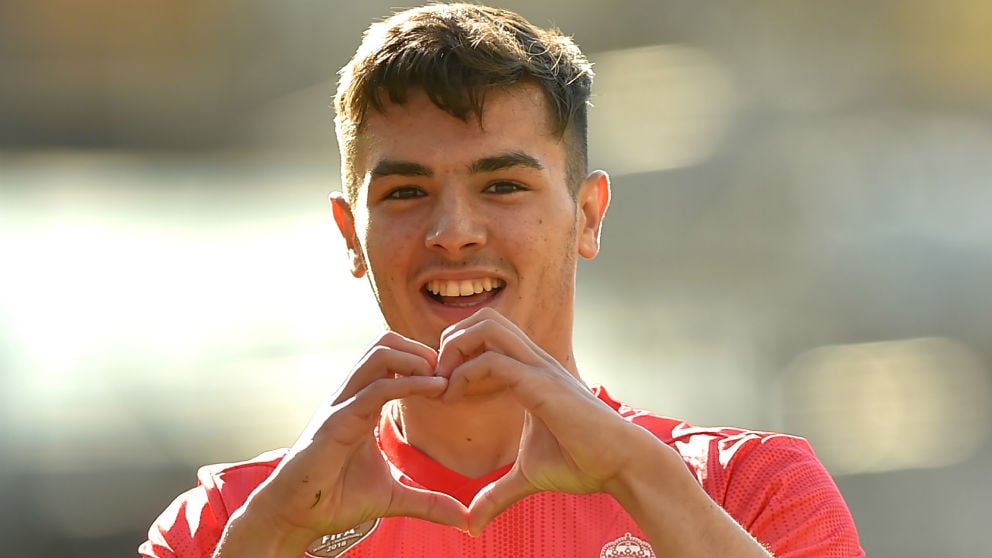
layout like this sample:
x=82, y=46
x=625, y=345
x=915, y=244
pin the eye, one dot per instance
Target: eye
x=504, y=187
x=404, y=193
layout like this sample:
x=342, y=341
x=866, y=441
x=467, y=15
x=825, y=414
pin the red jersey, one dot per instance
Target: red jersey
x=771, y=484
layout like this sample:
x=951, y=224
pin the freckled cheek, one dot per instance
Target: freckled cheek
x=389, y=235
x=388, y=258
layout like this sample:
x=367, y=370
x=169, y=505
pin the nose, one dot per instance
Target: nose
x=456, y=226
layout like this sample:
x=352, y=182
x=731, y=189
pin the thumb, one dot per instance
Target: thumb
x=496, y=497
x=428, y=505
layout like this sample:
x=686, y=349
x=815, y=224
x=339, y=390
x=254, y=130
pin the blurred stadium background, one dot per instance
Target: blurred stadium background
x=800, y=240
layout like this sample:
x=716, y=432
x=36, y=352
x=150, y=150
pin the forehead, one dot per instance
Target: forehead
x=514, y=119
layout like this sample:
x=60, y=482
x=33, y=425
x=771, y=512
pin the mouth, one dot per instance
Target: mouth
x=464, y=292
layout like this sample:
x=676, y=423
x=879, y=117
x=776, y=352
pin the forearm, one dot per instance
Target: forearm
x=673, y=510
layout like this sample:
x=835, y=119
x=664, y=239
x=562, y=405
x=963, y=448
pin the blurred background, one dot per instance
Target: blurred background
x=800, y=240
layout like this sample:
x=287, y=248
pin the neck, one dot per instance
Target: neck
x=471, y=437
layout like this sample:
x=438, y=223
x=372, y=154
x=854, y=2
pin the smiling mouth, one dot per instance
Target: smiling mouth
x=464, y=292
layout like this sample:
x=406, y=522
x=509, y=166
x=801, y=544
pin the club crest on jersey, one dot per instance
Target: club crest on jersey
x=330, y=546
x=627, y=546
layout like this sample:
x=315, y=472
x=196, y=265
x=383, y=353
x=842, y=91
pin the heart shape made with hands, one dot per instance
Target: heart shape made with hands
x=484, y=354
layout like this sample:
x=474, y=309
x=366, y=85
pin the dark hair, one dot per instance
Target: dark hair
x=455, y=53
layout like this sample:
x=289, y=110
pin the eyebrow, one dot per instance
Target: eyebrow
x=402, y=168
x=505, y=161
x=493, y=163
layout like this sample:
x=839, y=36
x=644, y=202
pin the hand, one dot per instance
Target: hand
x=572, y=442
x=334, y=477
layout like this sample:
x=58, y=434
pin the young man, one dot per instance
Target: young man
x=466, y=429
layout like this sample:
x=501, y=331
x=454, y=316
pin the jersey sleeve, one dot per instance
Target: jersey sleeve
x=778, y=490
x=191, y=526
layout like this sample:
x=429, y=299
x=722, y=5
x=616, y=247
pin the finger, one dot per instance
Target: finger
x=428, y=505
x=401, y=343
x=493, y=499
x=484, y=314
x=548, y=392
x=391, y=355
x=355, y=418
x=475, y=338
x=494, y=370
x=370, y=400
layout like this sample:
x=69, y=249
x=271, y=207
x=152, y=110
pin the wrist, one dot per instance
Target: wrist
x=653, y=471
x=251, y=533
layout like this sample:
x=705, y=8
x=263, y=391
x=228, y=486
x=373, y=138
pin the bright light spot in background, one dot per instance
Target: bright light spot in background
x=892, y=405
x=134, y=313
x=657, y=108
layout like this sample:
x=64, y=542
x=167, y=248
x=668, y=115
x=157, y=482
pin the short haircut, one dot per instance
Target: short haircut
x=455, y=53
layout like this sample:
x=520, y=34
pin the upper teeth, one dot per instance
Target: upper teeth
x=465, y=287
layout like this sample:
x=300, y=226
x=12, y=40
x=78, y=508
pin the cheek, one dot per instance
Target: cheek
x=549, y=248
x=390, y=238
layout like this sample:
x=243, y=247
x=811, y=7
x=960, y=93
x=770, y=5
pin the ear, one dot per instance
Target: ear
x=593, y=199
x=346, y=226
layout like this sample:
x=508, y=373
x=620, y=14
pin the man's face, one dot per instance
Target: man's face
x=453, y=217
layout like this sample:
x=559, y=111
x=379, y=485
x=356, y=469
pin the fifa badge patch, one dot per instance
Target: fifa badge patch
x=331, y=546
